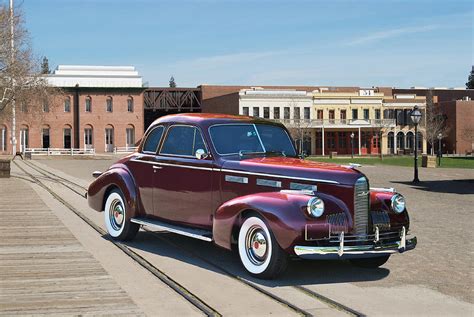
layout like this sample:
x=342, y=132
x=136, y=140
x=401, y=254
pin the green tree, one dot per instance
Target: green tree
x=45, y=66
x=470, y=81
x=172, y=82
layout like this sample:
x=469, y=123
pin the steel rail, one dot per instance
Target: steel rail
x=174, y=285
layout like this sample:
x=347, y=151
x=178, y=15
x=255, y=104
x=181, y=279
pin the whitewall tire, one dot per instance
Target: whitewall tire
x=259, y=252
x=115, y=217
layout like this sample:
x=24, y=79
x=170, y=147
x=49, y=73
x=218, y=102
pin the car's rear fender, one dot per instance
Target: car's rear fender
x=118, y=176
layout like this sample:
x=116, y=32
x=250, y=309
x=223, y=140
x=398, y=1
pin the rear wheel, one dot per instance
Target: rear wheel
x=259, y=252
x=370, y=263
x=117, y=223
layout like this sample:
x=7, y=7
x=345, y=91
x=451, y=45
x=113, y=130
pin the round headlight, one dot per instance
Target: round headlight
x=398, y=203
x=315, y=207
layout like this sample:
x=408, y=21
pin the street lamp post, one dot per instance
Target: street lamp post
x=352, y=145
x=440, y=136
x=415, y=116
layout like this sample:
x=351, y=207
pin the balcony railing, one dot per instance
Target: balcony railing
x=318, y=123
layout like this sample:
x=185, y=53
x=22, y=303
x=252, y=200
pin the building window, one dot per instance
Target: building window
x=286, y=113
x=343, y=116
x=245, y=111
x=130, y=136
x=377, y=114
x=366, y=114
x=109, y=105
x=45, y=106
x=88, y=104
x=296, y=114
x=276, y=113
x=307, y=113
x=266, y=112
x=109, y=139
x=319, y=114
x=3, y=139
x=355, y=114
x=45, y=137
x=256, y=111
x=130, y=104
x=67, y=132
x=23, y=107
x=88, y=140
x=332, y=116
x=67, y=104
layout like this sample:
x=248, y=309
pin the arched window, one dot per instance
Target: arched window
x=24, y=138
x=130, y=104
x=67, y=136
x=88, y=104
x=109, y=138
x=88, y=137
x=130, y=136
x=400, y=140
x=67, y=104
x=3, y=138
x=410, y=140
x=109, y=104
x=45, y=140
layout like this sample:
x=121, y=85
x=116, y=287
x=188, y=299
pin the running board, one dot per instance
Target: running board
x=184, y=231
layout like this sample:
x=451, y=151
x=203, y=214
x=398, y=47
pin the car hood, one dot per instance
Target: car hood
x=297, y=168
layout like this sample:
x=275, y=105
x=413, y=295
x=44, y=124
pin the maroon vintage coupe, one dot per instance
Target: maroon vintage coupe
x=238, y=181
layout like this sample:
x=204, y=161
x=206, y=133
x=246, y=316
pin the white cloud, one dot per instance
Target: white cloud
x=382, y=35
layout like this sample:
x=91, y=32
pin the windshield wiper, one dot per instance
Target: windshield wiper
x=248, y=152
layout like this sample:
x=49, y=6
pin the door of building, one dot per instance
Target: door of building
x=67, y=138
x=23, y=139
x=109, y=139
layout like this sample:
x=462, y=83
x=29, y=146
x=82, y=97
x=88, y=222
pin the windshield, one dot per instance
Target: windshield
x=251, y=139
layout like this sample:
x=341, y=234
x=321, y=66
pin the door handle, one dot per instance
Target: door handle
x=157, y=167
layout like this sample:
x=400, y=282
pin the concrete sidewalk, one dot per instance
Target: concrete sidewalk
x=43, y=268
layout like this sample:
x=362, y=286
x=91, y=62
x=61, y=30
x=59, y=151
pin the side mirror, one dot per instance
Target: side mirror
x=201, y=154
x=96, y=174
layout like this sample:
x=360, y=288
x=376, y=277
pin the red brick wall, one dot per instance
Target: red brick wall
x=459, y=118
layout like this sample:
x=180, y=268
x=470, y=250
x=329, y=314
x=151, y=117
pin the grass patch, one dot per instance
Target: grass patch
x=446, y=162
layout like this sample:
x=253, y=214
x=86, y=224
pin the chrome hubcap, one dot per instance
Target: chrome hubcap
x=256, y=245
x=116, y=214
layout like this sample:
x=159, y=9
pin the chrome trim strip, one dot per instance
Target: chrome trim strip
x=268, y=182
x=236, y=179
x=304, y=187
x=383, y=189
x=297, y=192
x=176, y=165
x=281, y=176
x=169, y=229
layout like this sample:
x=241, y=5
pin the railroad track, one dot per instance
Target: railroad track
x=181, y=290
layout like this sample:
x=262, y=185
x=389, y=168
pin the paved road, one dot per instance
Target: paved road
x=435, y=279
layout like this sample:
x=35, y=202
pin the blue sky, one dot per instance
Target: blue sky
x=342, y=43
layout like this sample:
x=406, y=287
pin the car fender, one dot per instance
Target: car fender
x=118, y=176
x=284, y=213
x=381, y=201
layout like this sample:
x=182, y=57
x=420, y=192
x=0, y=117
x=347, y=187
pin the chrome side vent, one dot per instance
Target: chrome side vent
x=361, y=206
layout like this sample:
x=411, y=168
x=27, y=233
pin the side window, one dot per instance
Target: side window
x=153, y=139
x=183, y=140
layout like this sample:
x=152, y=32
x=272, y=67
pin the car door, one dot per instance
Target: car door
x=143, y=168
x=183, y=185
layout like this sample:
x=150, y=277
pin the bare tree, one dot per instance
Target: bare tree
x=22, y=86
x=435, y=121
x=468, y=135
x=297, y=126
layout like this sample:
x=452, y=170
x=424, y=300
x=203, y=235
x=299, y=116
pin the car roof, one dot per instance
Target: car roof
x=208, y=119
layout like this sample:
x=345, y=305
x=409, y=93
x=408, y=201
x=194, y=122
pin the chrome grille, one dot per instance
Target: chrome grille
x=361, y=206
x=381, y=220
x=337, y=222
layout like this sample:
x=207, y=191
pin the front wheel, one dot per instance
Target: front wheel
x=370, y=263
x=259, y=252
x=117, y=223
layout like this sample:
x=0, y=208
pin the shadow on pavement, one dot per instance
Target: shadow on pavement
x=204, y=255
x=455, y=186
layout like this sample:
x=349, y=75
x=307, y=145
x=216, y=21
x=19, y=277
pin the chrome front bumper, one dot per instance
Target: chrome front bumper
x=341, y=251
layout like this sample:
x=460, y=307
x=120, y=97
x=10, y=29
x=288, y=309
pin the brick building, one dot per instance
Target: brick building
x=100, y=108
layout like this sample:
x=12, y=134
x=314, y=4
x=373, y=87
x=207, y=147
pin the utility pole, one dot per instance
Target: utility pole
x=12, y=44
